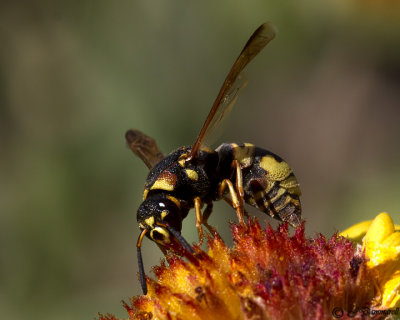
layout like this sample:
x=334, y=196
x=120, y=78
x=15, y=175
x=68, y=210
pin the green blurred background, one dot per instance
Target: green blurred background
x=75, y=75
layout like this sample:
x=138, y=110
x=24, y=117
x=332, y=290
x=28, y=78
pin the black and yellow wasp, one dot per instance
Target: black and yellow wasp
x=196, y=175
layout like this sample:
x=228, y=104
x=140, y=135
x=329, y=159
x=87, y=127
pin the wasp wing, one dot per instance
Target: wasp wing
x=144, y=147
x=215, y=128
x=233, y=83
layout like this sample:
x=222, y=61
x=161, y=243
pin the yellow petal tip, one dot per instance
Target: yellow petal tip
x=381, y=227
x=356, y=232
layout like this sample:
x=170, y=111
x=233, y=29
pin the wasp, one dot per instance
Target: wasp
x=194, y=176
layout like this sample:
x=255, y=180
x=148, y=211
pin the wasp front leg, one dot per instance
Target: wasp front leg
x=206, y=215
x=202, y=219
x=237, y=196
x=239, y=184
x=199, y=219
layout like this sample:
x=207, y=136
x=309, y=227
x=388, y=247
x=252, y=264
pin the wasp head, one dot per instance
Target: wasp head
x=159, y=217
x=156, y=213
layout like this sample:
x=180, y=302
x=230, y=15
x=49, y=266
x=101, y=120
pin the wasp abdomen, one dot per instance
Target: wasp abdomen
x=268, y=182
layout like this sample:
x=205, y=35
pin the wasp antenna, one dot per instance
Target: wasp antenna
x=180, y=238
x=140, y=262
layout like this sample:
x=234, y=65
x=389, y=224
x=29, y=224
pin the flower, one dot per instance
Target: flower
x=381, y=244
x=268, y=274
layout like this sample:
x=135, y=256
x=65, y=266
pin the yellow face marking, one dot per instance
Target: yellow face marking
x=150, y=221
x=163, y=214
x=277, y=171
x=163, y=232
x=192, y=174
x=175, y=200
x=243, y=154
x=163, y=185
x=141, y=225
x=145, y=192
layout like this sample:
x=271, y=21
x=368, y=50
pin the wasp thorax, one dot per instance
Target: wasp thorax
x=157, y=211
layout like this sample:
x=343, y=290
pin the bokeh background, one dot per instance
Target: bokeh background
x=75, y=75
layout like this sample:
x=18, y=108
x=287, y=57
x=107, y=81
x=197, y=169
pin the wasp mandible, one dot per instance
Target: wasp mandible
x=193, y=176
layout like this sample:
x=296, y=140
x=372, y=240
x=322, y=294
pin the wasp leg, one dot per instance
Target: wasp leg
x=228, y=201
x=239, y=184
x=199, y=219
x=206, y=215
x=235, y=201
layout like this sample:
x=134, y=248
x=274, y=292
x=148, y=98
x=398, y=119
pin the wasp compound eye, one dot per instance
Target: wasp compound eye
x=160, y=208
